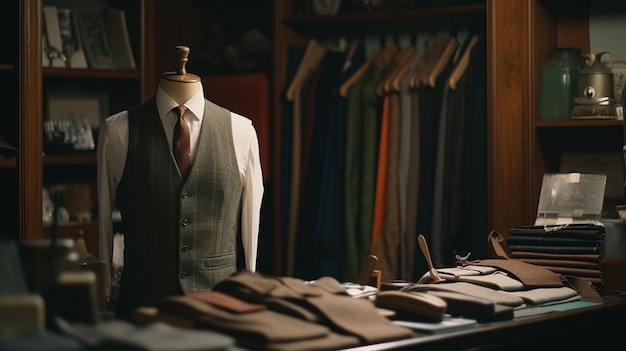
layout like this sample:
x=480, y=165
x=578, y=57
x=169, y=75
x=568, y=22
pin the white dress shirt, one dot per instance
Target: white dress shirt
x=111, y=158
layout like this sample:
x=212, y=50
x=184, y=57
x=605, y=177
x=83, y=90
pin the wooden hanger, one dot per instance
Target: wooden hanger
x=403, y=59
x=442, y=61
x=435, y=45
x=354, y=46
x=343, y=89
x=418, y=70
x=403, y=69
x=312, y=56
x=395, y=59
x=462, y=63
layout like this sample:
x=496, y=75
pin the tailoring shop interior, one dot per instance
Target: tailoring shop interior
x=425, y=185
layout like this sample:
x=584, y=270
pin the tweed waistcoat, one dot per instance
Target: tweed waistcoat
x=179, y=236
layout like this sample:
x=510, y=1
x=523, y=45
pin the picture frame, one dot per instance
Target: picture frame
x=94, y=39
x=74, y=102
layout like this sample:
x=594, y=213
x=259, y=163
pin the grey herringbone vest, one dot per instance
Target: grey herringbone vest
x=179, y=237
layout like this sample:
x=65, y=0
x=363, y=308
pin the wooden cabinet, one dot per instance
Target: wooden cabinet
x=566, y=24
x=294, y=28
x=521, y=35
x=29, y=85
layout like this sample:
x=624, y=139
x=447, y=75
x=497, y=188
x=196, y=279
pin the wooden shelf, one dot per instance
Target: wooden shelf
x=580, y=123
x=8, y=162
x=91, y=73
x=314, y=25
x=87, y=158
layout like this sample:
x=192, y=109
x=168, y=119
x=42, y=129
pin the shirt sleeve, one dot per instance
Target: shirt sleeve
x=110, y=159
x=247, y=148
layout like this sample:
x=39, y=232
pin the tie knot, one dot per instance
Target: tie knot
x=180, y=110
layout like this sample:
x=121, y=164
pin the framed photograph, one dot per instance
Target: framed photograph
x=72, y=119
x=70, y=108
x=76, y=102
x=94, y=39
x=68, y=135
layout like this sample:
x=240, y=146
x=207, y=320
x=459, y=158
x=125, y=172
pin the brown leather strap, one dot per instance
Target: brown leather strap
x=531, y=275
x=496, y=241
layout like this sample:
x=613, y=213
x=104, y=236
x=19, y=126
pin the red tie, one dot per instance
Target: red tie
x=182, y=142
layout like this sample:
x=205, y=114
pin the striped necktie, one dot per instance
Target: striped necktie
x=182, y=142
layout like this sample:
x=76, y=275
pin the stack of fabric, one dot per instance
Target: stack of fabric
x=571, y=250
x=280, y=313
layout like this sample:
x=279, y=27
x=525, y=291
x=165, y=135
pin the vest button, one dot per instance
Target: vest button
x=185, y=194
x=185, y=222
x=185, y=247
x=183, y=275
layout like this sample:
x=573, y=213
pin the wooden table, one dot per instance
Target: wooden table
x=598, y=327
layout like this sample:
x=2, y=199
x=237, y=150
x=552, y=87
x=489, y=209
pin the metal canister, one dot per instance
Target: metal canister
x=595, y=79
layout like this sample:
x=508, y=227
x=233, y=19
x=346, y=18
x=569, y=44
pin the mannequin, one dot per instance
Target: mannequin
x=180, y=85
x=181, y=238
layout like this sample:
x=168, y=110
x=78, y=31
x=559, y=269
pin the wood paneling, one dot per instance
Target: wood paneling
x=30, y=126
x=508, y=114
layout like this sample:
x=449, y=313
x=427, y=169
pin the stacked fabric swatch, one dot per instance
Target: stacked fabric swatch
x=573, y=249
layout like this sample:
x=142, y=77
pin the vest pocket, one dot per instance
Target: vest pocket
x=220, y=260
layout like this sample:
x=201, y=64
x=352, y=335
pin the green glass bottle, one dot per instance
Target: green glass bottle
x=557, y=84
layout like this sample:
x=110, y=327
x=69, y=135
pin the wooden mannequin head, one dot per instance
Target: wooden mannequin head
x=180, y=85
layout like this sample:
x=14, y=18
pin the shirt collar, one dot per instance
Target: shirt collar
x=165, y=103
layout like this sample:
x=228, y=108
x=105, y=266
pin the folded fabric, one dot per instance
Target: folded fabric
x=557, y=249
x=562, y=263
x=156, y=336
x=473, y=290
x=473, y=307
x=460, y=271
x=580, y=272
x=541, y=296
x=42, y=340
x=583, y=231
x=584, y=288
x=551, y=240
x=264, y=325
x=412, y=304
x=532, y=276
x=559, y=256
x=325, y=298
x=498, y=280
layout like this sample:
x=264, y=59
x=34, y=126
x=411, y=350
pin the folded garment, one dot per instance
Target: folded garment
x=579, y=272
x=563, y=263
x=325, y=298
x=541, y=296
x=548, y=240
x=557, y=249
x=582, y=231
x=263, y=325
x=473, y=307
x=470, y=270
x=531, y=275
x=412, y=304
x=498, y=280
x=156, y=336
x=472, y=290
x=596, y=258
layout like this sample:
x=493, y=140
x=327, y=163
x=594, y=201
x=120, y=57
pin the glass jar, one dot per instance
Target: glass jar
x=557, y=84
